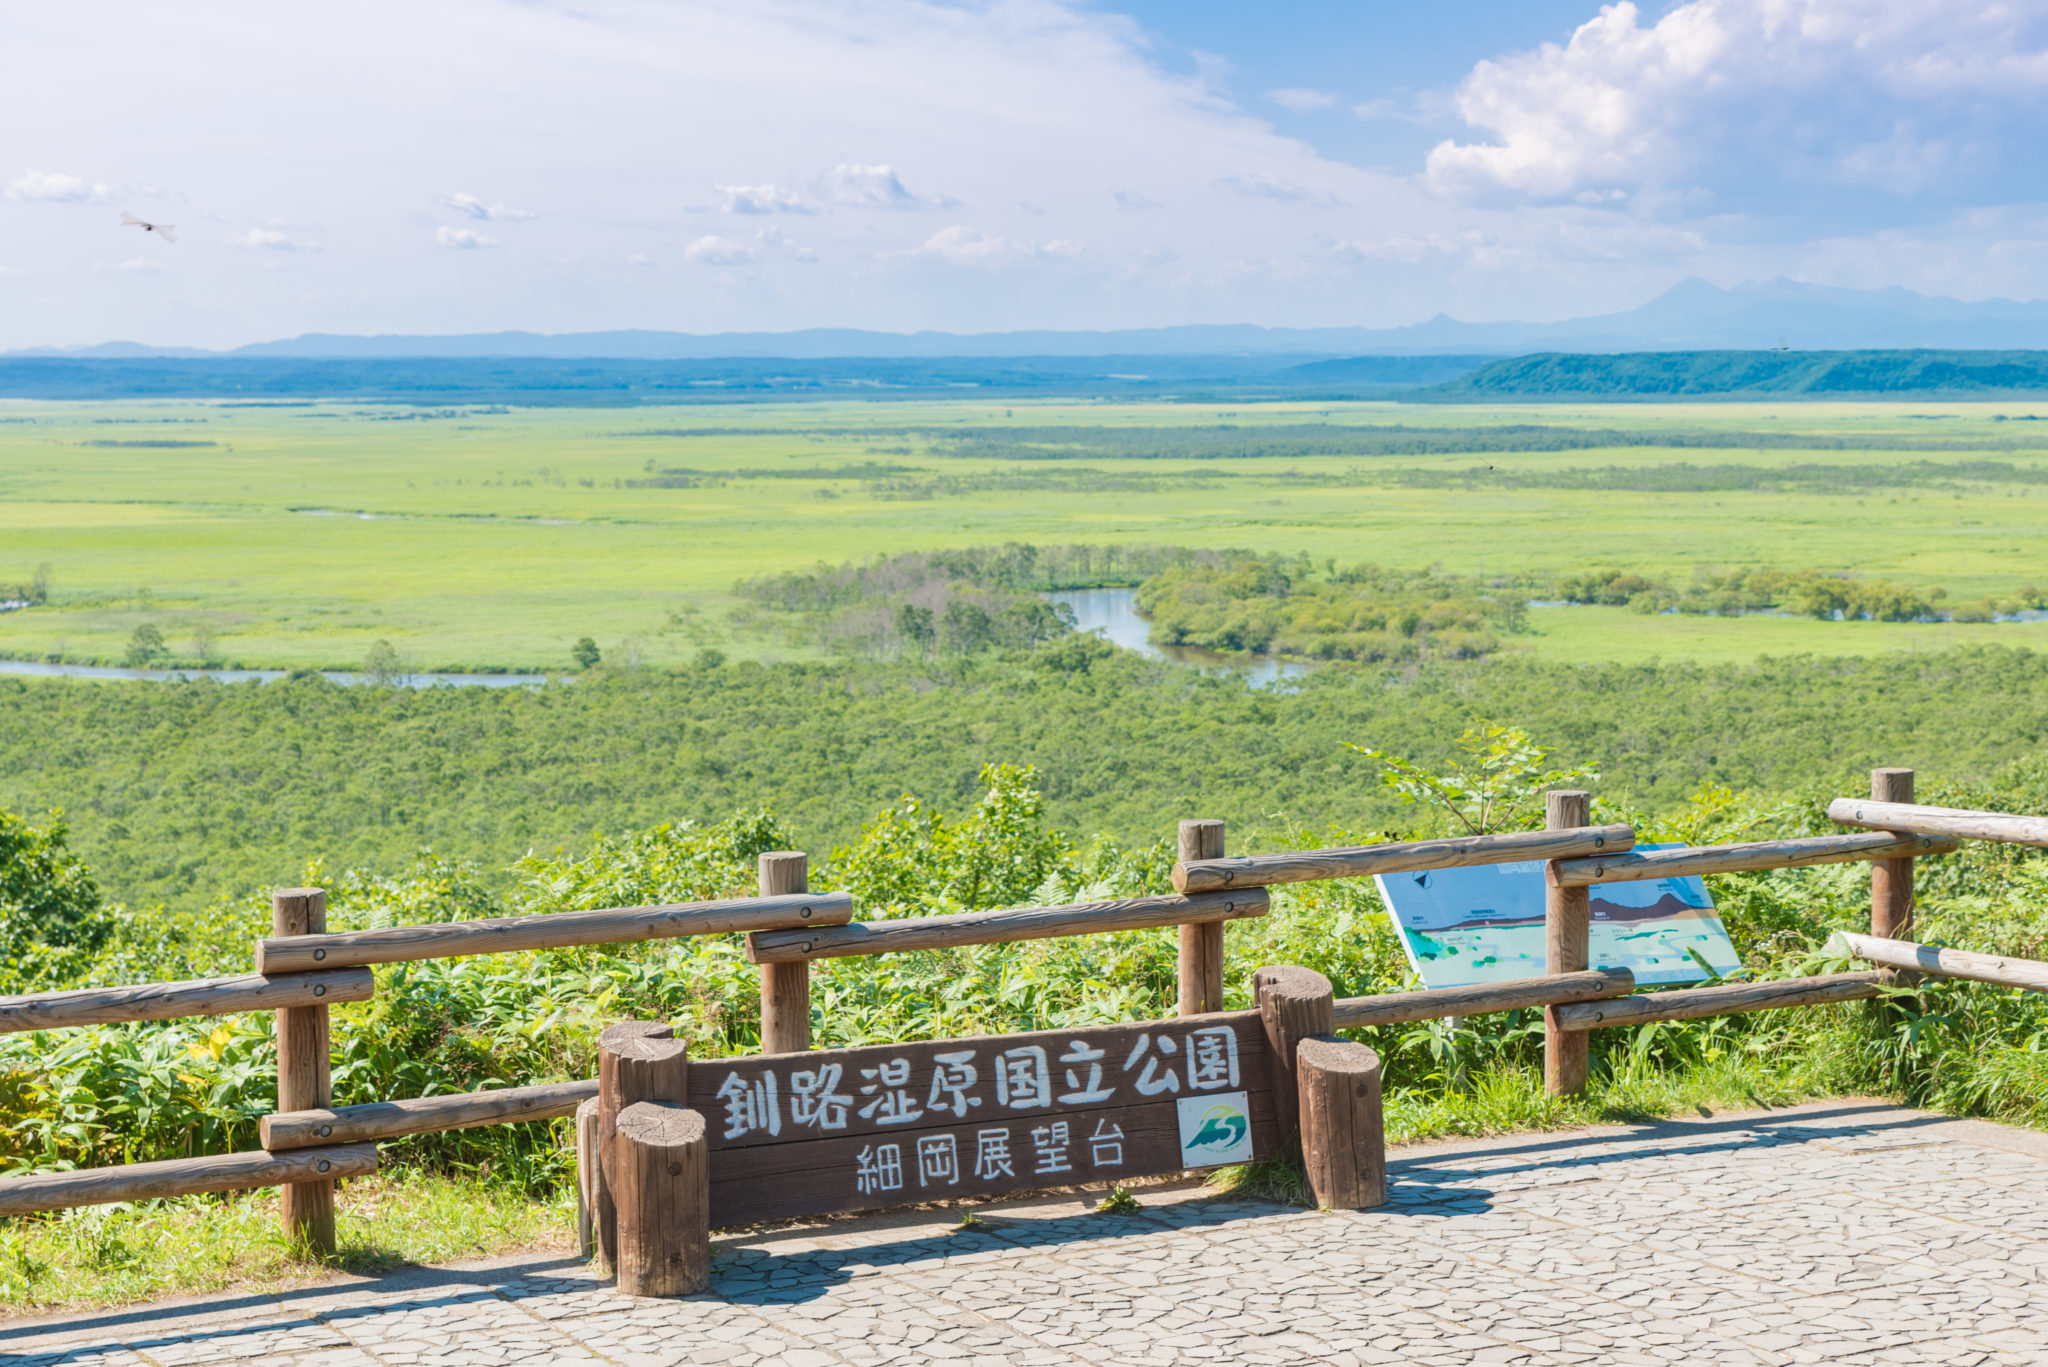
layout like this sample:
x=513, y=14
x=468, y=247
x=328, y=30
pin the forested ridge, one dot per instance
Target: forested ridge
x=181, y=791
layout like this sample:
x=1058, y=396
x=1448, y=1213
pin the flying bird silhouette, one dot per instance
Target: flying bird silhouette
x=162, y=230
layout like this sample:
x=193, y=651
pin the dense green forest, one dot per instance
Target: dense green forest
x=1777, y=374
x=180, y=791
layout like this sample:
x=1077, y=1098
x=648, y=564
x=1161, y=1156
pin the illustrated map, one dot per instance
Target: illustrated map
x=1483, y=924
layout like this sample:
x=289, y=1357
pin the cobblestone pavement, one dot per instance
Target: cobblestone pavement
x=1848, y=1232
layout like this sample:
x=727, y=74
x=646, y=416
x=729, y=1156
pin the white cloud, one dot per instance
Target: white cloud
x=764, y=199
x=476, y=208
x=639, y=259
x=50, y=187
x=463, y=239
x=960, y=245
x=133, y=263
x=713, y=250
x=1761, y=100
x=1301, y=100
x=860, y=186
x=267, y=239
x=11, y=272
x=1131, y=199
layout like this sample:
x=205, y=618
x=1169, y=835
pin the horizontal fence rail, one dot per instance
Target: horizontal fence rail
x=1399, y=1008
x=1725, y=999
x=1002, y=927
x=1405, y=856
x=423, y=1115
x=192, y=997
x=1952, y=821
x=1997, y=969
x=1637, y=865
x=557, y=930
x=183, y=1177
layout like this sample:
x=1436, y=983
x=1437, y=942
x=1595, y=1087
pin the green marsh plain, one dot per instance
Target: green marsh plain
x=300, y=535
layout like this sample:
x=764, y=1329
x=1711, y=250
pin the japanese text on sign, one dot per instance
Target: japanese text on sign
x=804, y=1098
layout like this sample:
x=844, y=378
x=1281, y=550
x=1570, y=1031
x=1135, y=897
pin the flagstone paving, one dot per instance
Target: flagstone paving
x=1845, y=1232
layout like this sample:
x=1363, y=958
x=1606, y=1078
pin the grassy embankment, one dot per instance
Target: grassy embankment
x=296, y=536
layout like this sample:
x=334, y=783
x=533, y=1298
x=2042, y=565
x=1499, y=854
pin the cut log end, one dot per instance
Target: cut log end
x=1343, y=1137
x=662, y=1187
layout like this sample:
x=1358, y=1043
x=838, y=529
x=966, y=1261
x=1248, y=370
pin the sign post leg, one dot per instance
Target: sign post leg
x=636, y=1061
x=1294, y=1003
x=663, y=1166
x=1343, y=1136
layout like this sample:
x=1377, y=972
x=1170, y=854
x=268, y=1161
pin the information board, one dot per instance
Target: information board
x=1483, y=924
x=885, y=1125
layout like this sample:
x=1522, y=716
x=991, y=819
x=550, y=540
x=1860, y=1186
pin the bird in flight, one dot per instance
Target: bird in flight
x=162, y=230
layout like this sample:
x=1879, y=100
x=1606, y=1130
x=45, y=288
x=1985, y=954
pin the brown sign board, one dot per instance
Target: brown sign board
x=884, y=1125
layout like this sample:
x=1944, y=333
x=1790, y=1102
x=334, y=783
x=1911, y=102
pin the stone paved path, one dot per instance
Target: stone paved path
x=1844, y=1233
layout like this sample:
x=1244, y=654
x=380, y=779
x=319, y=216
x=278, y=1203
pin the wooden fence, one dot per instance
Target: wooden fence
x=302, y=970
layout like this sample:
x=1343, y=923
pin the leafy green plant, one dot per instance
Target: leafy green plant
x=1119, y=1202
x=1493, y=787
x=50, y=907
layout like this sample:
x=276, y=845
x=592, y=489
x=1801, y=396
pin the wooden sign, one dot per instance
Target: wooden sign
x=886, y=1125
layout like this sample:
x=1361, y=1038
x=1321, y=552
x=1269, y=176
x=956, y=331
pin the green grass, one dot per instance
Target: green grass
x=495, y=539
x=115, y=1255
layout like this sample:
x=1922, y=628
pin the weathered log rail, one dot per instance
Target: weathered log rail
x=1406, y=856
x=561, y=930
x=1955, y=822
x=182, y=1177
x=1997, y=969
x=1638, y=865
x=422, y=1115
x=301, y=971
x=912, y=933
x=1692, y=1003
x=1401, y=1008
x=192, y=997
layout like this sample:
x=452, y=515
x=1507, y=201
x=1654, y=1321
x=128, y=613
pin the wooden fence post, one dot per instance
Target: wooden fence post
x=304, y=1082
x=304, y=1079
x=1891, y=880
x=636, y=1061
x=1567, y=918
x=1343, y=1136
x=663, y=1162
x=1201, y=945
x=785, y=988
x=1294, y=1003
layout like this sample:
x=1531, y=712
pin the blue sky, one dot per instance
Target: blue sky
x=1363, y=53
x=971, y=165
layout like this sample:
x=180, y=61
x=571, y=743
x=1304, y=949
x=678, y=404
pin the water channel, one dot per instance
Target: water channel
x=1112, y=614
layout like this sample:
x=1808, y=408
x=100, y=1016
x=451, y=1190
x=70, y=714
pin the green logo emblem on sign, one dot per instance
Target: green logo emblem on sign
x=1215, y=1129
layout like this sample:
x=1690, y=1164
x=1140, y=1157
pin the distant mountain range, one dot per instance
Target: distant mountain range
x=1691, y=316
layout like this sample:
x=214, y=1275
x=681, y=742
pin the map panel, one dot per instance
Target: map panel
x=1484, y=924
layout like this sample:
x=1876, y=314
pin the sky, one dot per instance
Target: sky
x=442, y=166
